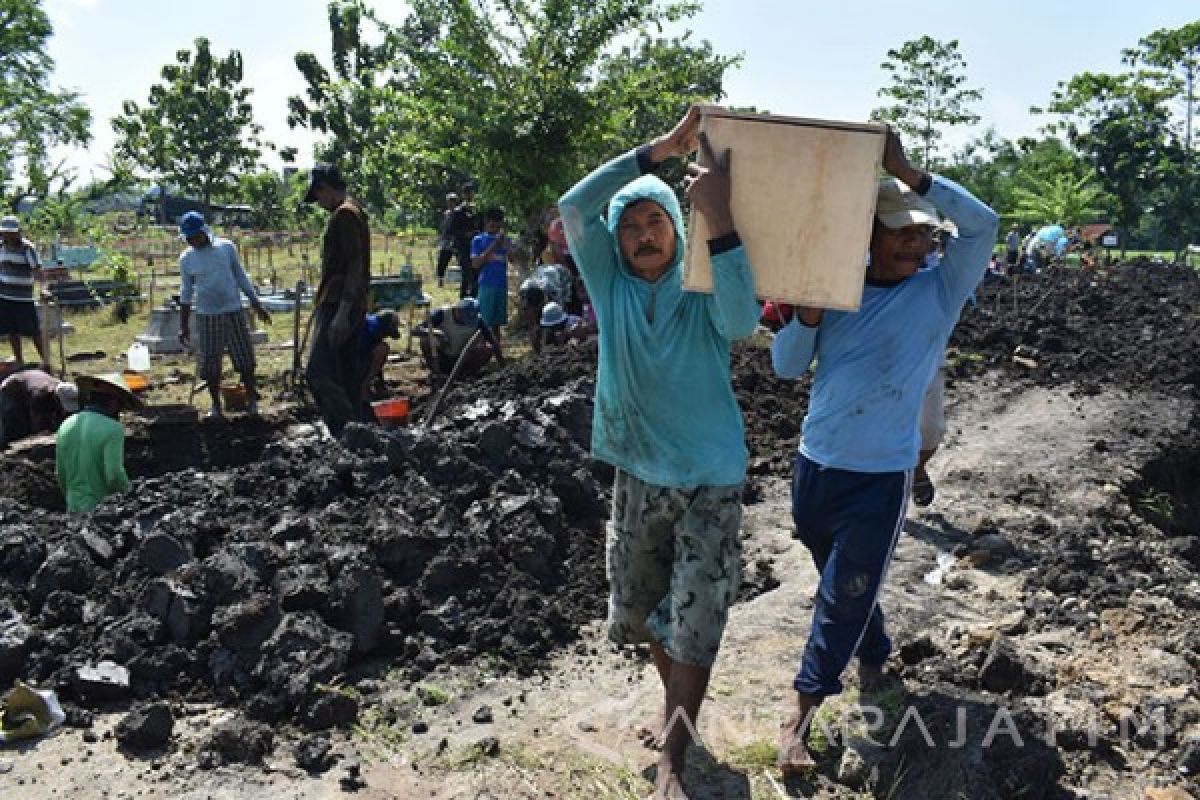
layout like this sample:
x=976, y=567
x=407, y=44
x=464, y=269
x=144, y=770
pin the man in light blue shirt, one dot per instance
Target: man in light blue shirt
x=860, y=437
x=665, y=415
x=214, y=281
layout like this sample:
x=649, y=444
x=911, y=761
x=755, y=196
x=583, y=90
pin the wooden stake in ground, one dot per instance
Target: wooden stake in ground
x=62, y=355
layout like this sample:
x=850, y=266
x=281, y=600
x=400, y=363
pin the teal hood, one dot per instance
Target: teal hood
x=647, y=187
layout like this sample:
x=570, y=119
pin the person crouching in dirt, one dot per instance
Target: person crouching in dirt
x=549, y=283
x=212, y=276
x=448, y=331
x=33, y=402
x=90, y=446
x=557, y=327
x=665, y=415
x=374, y=350
x=860, y=438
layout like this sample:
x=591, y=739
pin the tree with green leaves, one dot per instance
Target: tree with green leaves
x=993, y=169
x=36, y=116
x=1170, y=57
x=927, y=92
x=524, y=96
x=1061, y=199
x=1122, y=124
x=266, y=192
x=196, y=131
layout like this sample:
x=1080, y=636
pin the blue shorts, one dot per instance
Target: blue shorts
x=493, y=305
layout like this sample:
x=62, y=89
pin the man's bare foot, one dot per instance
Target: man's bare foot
x=650, y=732
x=668, y=783
x=794, y=755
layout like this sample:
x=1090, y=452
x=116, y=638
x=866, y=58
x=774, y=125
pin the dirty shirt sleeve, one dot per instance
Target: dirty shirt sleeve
x=793, y=348
x=732, y=306
x=968, y=253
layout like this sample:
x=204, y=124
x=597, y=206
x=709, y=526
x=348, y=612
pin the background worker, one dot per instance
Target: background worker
x=461, y=228
x=489, y=258
x=374, y=350
x=548, y=283
x=33, y=402
x=334, y=371
x=19, y=268
x=90, y=446
x=214, y=280
x=557, y=327
x=446, y=249
x=447, y=332
x=1012, y=249
x=854, y=468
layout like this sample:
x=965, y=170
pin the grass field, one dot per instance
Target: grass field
x=171, y=376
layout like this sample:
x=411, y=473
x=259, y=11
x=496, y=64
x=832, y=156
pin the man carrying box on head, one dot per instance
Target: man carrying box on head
x=214, y=280
x=860, y=438
x=665, y=415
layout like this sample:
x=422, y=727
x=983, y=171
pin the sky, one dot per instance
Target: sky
x=801, y=58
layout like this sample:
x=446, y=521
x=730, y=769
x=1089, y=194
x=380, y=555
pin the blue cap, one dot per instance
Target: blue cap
x=468, y=310
x=553, y=315
x=192, y=223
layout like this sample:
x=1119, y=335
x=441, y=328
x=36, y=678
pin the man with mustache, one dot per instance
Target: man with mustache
x=665, y=415
x=860, y=438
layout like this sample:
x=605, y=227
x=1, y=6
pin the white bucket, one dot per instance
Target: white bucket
x=138, y=357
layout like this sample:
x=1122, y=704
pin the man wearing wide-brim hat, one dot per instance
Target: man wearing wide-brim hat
x=19, y=267
x=90, y=454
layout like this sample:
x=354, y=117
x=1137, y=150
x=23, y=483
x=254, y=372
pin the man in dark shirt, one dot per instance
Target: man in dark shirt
x=461, y=228
x=334, y=364
x=446, y=246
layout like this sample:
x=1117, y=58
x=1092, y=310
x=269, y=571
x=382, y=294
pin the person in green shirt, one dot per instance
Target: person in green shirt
x=90, y=452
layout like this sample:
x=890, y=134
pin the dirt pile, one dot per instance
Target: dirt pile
x=265, y=584
x=264, y=571
x=1134, y=325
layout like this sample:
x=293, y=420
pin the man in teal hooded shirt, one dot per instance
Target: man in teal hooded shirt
x=665, y=415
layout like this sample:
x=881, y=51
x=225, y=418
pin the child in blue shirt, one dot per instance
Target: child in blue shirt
x=489, y=256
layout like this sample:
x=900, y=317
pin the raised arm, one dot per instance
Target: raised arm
x=967, y=254
x=732, y=308
x=583, y=206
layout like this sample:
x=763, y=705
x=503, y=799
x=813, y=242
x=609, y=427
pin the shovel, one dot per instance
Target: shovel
x=437, y=403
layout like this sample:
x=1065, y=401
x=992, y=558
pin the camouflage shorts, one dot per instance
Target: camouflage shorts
x=674, y=564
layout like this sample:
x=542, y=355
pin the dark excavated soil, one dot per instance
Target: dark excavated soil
x=259, y=567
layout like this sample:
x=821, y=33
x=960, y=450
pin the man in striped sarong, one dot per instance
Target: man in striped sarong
x=19, y=266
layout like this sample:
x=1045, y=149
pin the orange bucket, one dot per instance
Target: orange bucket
x=136, y=381
x=391, y=412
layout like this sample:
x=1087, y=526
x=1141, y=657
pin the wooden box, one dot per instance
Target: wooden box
x=803, y=202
